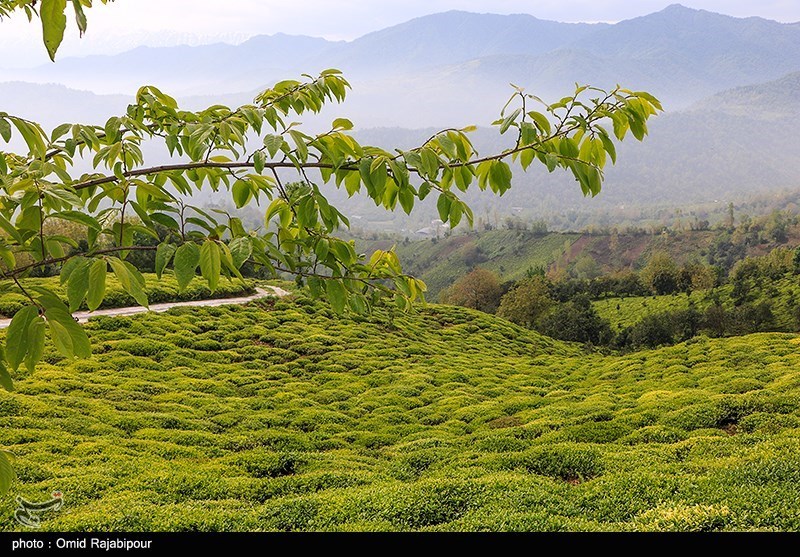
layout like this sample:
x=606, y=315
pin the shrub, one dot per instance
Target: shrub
x=264, y=464
x=568, y=462
x=576, y=321
x=526, y=302
x=683, y=518
x=479, y=290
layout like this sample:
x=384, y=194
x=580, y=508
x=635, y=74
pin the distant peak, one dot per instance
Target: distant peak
x=678, y=10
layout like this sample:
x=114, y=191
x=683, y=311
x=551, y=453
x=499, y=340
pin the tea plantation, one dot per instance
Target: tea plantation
x=281, y=416
x=158, y=291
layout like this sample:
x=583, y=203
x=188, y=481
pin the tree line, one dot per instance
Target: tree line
x=748, y=300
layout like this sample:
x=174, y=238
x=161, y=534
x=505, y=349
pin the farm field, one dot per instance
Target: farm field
x=279, y=415
x=626, y=312
x=782, y=294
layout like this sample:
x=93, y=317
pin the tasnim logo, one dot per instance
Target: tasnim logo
x=28, y=513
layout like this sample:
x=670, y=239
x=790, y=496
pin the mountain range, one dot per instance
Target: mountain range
x=679, y=54
x=731, y=88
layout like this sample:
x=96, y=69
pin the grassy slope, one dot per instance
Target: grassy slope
x=509, y=253
x=633, y=309
x=287, y=417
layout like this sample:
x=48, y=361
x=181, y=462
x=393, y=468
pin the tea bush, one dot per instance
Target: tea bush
x=282, y=416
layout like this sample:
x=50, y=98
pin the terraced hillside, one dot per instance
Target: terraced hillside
x=281, y=416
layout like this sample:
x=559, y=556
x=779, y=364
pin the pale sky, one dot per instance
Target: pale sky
x=128, y=23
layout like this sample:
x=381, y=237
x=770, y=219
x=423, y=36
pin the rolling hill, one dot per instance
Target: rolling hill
x=287, y=418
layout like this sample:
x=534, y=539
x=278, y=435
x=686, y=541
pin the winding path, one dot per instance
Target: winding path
x=84, y=316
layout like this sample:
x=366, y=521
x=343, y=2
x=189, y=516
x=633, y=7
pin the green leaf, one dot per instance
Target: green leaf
x=242, y=193
x=97, y=284
x=443, y=205
x=69, y=267
x=78, y=285
x=210, y=264
x=36, y=333
x=342, y=124
x=456, y=213
x=5, y=378
x=80, y=218
x=68, y=336
x=54, y=22
x=321, y=249
x=166, y=221
x=164, y=253
x=307, y=212
x=187, y=258
x=508, y=120
x=352, y=183
x=551, y=161
x=5, y=130
x=541, y=122
x=61, y=337
x=80, y=16
x=424, y=190
x=259, y=161
x=7, y=474
x=30, y=218
x=17, y=340
x=130, y=279
x=500, y=177
x=406, y=198
x=273, y=143
x=241, y=250
x=32, y=135
x=609, y=147
x=337, y=295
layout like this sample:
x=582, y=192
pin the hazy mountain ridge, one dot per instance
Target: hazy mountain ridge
x=776, y=99
x=678, y=53
x=734, y=144
x=725, y=145
x=221, y=68
x=454, y=37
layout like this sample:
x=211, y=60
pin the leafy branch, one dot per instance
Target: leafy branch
x=247, y=151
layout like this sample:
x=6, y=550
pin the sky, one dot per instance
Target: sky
x=129, y=23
